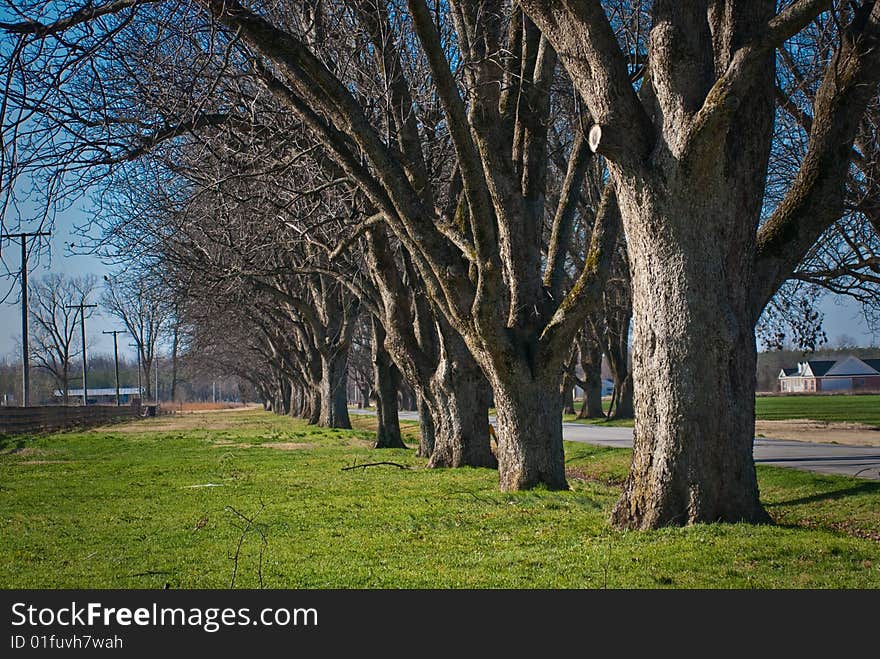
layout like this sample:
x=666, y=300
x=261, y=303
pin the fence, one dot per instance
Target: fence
x=15, y=420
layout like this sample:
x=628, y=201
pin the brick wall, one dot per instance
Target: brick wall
x=15, y=420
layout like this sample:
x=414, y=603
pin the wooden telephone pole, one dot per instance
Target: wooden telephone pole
x=115, y=333
x=25, y=349
x=82, y=306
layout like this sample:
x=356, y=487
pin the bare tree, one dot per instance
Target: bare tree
x=53, y=317
x=140, y=305
x=688, y=153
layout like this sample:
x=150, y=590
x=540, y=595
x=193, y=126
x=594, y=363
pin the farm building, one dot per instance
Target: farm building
x=102, y=396
x=847, y=374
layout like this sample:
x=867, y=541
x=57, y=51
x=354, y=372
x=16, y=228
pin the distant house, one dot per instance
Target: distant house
x=100, y=396
x=847, y=374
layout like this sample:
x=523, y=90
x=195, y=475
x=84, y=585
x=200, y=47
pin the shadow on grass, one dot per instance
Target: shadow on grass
x=861, y=488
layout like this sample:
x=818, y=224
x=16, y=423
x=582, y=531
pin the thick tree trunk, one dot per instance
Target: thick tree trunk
x=334, y=398
x=65, y=382
x=618, y=361
x=568, y=395
x=623, y=397
x=458, y=397
x=285, y=392
x=296, y=400
x=591, y=363
x=386, y=384
x=312, y=411
x=694, y=372
x=529, y=434
x=427, y=429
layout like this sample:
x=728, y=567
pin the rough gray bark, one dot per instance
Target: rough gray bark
x=427, y=429
x=692, y=459
x=529, y=433
x=386, y=384
x=458, y=397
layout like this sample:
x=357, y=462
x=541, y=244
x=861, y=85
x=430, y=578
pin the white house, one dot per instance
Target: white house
x=847, y=374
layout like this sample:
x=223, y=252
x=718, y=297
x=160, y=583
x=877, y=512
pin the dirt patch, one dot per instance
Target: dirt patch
x=805, y=430
x=206, y=408
x=216, y=420
x=579, y=474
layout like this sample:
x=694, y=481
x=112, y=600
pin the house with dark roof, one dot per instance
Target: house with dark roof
x=844, y=375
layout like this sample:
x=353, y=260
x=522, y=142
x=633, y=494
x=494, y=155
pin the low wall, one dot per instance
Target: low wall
x=16, y=420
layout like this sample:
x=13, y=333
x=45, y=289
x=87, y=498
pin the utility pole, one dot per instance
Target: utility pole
x=116, y=360
x=82, y=306
x=25, y=350
x=137, y=350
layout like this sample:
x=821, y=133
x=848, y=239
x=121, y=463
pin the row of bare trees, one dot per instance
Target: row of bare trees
x=497, y=188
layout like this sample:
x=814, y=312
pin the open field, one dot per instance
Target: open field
x=149, y=503
x=842, y=419
x=844, y=409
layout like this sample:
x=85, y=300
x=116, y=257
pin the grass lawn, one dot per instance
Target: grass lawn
x=851, y=409
x=848, y=409
x=151, y=503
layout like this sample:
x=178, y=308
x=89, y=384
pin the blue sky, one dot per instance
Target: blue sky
x=57, y=258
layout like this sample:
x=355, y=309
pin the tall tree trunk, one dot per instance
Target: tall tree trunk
x=334, y=395
x=591, y=363
x=296, y=400
x=618, y=361
x=427, y=429
x=694, y=367
x=148, y=381
x=458, y=396
x=285, y=396
x=386, y=383
x=312, y=411
x=623, y=396
x=529, y=431
x=568, y=394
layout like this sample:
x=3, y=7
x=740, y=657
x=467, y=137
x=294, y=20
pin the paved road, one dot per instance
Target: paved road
x=861, y=461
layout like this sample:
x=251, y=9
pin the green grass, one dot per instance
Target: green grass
x=116, y=508
x=848, y=409
x=852, y=409
x=606, y=403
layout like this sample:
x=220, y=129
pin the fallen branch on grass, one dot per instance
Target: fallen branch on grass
x=250, y=524
x=375, y=464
